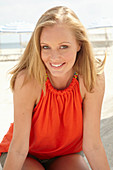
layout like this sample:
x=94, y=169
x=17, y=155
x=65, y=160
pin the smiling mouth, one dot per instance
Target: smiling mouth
x=57, y=65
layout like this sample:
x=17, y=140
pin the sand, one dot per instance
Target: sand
x=6, y=104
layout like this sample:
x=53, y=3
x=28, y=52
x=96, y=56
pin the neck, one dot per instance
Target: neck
x=61, y=82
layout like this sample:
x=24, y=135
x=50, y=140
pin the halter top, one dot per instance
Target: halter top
x=57, y=123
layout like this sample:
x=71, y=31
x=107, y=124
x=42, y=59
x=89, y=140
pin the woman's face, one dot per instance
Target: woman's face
x=58, y=49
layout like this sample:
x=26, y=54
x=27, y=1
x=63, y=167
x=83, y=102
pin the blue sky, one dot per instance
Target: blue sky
x=89, y=11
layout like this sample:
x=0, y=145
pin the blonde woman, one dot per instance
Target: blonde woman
x=58, y=89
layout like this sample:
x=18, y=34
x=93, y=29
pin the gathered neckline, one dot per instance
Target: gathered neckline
x=71, y=86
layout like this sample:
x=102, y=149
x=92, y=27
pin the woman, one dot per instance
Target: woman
x=58, y=89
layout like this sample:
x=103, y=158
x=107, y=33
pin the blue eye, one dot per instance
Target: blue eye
x=45, y=47
x=64, y=47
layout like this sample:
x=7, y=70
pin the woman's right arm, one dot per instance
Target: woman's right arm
x=24, y=99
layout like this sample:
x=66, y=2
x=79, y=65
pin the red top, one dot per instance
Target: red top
x=57, y=123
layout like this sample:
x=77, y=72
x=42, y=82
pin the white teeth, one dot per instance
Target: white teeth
x=56, y=65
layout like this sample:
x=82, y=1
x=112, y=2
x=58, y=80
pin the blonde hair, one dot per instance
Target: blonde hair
x=85, y=63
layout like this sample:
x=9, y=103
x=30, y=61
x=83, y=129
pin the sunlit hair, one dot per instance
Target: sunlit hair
x=85, y=63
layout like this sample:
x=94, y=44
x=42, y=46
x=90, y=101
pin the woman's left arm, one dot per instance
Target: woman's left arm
x=92, y=144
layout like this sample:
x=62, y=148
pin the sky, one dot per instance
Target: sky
x=90, y=12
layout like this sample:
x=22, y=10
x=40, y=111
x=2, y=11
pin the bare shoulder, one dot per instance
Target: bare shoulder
x=22, y=75
x=31, y=86
x=99, y=86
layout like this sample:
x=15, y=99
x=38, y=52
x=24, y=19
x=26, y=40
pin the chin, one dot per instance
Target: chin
x=56, y=73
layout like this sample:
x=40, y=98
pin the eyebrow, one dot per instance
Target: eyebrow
x=59, y=43
x=65, y=42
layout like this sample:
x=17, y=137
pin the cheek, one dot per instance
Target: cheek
x=44, y=57
x=70, y=56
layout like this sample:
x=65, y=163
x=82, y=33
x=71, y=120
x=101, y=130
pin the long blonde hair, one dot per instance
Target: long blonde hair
x=85, y=63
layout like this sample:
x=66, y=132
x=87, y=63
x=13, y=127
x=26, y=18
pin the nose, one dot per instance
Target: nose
x=55, y=54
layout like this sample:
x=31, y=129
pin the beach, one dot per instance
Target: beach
x=6, y=104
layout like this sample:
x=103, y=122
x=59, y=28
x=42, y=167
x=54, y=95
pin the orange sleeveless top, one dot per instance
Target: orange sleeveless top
x=57, y=123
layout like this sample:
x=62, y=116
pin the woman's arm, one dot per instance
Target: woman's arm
x=24, y=99
x=92, y=144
